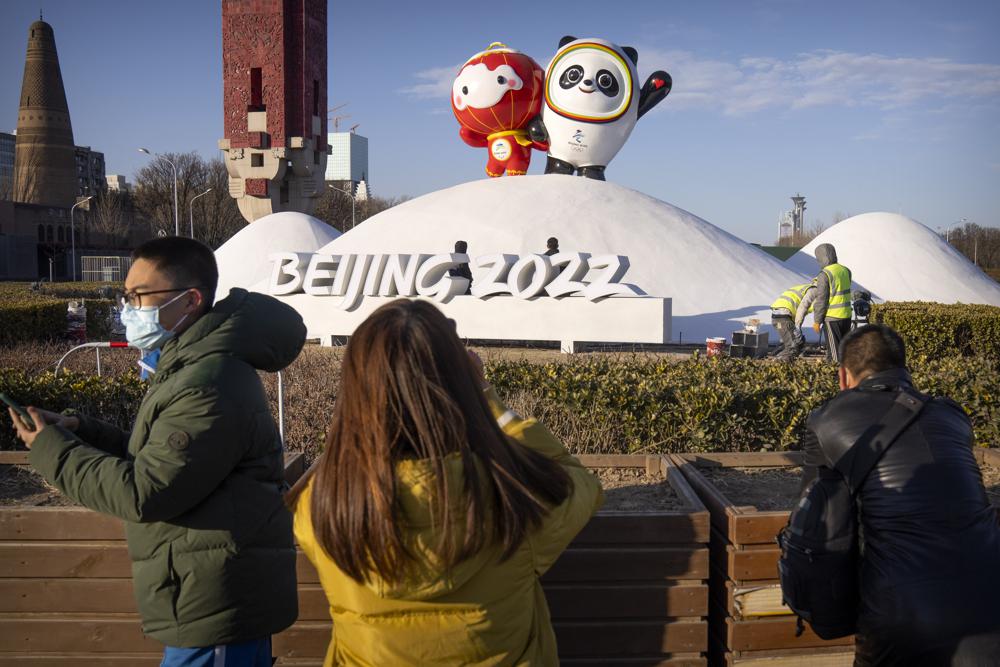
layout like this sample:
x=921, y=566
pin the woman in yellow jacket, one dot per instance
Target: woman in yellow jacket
x=434, y=509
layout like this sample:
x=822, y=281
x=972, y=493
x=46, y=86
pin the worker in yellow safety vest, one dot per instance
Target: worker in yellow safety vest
x=787, y=313
x=832, y=308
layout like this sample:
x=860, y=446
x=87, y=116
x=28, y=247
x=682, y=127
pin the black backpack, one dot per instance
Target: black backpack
x=818, y=566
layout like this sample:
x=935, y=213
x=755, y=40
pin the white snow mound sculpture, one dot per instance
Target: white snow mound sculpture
x=243, y=259
x=716, y=280
x=899, y=259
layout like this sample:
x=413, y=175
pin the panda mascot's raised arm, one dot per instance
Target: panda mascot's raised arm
x=592, y=104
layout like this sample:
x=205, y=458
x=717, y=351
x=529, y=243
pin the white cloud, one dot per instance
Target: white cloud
x=809, y=80
x=819, y=79
x=433, y=83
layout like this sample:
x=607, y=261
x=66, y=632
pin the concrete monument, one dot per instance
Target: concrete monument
x=274, y=95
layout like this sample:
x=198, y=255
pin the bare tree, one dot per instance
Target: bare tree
x=374, y=205
x=334, y=208
x=216, y=216
x=154, y=188
x=980, y=244
x=25, y=178
x=7, y=187
x=112, y=215
x=800, y=239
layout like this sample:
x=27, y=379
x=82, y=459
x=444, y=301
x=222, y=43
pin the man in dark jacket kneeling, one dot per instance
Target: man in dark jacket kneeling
x=930, y=560
x=198, y=481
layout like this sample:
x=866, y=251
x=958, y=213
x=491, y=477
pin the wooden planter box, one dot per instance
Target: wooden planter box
x=66, y=587
x=748, y=623
x=630, y=590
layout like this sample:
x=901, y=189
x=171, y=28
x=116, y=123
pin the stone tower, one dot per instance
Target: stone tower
x=274, y=94
x=798, y=214
x=44, y=158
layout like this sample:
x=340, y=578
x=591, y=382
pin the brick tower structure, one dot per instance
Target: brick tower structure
x=44, y=157
x=274, y=94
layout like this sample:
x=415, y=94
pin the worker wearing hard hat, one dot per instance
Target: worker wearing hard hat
x=787, y=313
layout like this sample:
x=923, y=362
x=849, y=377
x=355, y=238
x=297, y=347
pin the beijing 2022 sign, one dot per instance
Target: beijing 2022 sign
x=349, y=278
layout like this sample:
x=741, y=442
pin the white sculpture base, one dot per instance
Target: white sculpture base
x=569, y=321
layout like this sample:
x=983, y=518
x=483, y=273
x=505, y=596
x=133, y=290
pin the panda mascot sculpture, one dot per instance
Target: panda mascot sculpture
x=591, y=104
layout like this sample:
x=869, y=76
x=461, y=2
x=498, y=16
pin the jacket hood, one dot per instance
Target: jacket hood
x=255, y=328
x=826, y=255
x=415, y=493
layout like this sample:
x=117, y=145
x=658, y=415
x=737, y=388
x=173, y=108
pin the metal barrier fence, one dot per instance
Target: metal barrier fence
x=116, y=345
x=110, y=269
x=96, y=347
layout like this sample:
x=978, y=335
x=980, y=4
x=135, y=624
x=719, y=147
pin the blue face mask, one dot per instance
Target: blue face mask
x=142, y=325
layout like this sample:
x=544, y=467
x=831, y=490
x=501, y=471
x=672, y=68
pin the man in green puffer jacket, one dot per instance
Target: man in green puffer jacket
x=199, y=479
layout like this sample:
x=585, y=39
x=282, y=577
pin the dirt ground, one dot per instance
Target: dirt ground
x=541, y=355
x=635, y=490
x=991, y=480
x=21, y=485
x=625, y=489
x=768, y=489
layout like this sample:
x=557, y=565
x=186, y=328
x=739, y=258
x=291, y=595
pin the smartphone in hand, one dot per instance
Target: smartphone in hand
x=19, y=410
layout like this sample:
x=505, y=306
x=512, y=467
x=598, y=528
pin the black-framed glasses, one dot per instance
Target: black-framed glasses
x=134, y=299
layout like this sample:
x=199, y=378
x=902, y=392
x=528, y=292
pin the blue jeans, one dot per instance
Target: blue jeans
x=255, y=653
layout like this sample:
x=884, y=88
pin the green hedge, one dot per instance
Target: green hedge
x=629, y=405
x=69, y=290
x=30, y=320
x=28, y=315
x=933, y=330
x=114, y=399
x=720, y=404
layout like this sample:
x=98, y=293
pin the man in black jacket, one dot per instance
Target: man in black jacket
x=462, y=270
x=930, y=562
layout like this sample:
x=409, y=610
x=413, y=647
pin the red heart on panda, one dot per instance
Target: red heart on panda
x=658, y=83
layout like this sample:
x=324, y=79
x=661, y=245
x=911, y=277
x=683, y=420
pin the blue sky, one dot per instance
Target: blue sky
x=860, y=106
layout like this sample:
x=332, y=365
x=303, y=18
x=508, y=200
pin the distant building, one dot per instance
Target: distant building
x=38, y=225
x=362, y=192
x=347, y=165
x=118, y=183
x=791, y=224
x=7, y=143
x=89, y=172
x=785, y=226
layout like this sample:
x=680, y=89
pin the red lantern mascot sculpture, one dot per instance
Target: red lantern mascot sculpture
x=496, y=94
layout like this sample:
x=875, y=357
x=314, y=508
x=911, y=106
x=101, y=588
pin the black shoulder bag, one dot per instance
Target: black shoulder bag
x=818, y=566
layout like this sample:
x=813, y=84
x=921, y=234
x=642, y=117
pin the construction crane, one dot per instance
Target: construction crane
x=354, y=127
x=336, y=119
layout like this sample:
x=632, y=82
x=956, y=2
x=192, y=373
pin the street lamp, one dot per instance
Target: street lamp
x=177, y=224
x=346, y=194
x=947, y=231
x=72, y=231
x=191, y=209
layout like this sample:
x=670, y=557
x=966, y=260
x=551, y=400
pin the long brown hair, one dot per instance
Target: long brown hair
x=409, y=390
